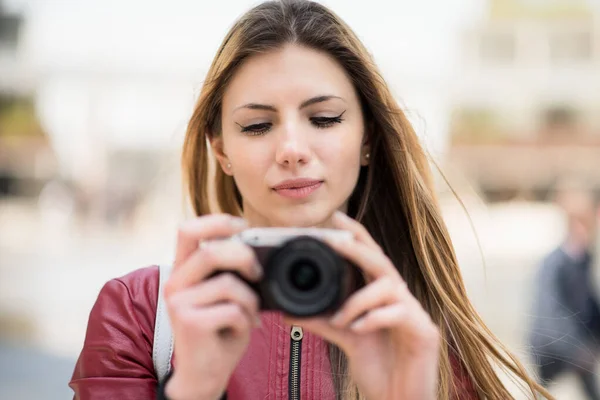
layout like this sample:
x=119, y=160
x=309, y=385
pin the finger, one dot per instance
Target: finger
x=228, y=317
x=192, y=232
x=394, y=315
x=223, y=288
x=382, y=292
x=373, y=262
x=322, y=327
x=414, y=322
x=212, y=257
x=360, y=233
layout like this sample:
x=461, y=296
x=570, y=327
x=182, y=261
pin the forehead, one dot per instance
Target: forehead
x=291, y=74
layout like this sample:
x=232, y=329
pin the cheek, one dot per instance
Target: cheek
x=342, y=158
x=343, y=148
x=250, y=162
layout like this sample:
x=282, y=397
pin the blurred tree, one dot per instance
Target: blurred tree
x=18, y=118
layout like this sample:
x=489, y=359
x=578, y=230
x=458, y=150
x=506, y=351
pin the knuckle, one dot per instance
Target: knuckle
x=169, y=289
x=240, y=292
x=185, y=227
x=388, y=282
x=208, y=255
x=388, y=285
x=171, y=306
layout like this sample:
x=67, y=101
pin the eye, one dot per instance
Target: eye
x=256, y=129
x=326, y=122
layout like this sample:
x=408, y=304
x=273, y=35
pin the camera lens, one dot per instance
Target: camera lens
x=304, y=276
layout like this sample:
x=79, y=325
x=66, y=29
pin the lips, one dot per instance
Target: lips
x=297, y=188
x=296, y=183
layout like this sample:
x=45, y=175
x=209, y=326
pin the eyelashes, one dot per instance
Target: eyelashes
x=326, y=122
x=317, y=122
x=256, y=129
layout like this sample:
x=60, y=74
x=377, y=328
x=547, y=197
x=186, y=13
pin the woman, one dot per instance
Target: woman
x=304, y=132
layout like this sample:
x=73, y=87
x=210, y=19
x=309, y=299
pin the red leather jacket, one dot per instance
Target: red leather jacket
x=116, y=359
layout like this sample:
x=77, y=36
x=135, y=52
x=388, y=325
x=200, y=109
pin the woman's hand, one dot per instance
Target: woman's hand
x=211, y=317
x=391, y=343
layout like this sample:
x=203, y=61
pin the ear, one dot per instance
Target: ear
x=365, y=155
x=216, y=143
x=365, y=150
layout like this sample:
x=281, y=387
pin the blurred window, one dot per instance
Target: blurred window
x=497, y=48
x=560, y=121
x=9, y=31
x=570, y=47
x=560, y=115
x=470, y=125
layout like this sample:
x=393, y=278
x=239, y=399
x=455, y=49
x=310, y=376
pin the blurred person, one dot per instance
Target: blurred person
x=305, y=133
x=565, y=321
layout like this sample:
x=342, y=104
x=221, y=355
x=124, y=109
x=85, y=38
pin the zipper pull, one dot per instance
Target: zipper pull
x=297, y=334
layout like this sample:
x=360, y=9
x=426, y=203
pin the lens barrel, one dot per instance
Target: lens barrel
x=305, y=277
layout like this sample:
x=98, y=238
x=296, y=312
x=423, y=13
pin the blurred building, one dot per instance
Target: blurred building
x=26, y=159
x=115, y=102
x=14, y=78
x=526, y=101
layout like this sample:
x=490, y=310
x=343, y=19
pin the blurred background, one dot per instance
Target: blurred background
x=95, y=97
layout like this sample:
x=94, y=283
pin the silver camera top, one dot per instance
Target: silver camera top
x=270, y=237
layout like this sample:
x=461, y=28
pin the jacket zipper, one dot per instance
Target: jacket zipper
x=295, y=351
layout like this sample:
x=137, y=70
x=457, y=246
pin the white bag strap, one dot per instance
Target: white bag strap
x=162, y=349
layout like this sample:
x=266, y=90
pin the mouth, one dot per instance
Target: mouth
x=297, y=188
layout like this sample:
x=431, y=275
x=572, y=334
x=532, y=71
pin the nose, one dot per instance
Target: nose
x=293, y=149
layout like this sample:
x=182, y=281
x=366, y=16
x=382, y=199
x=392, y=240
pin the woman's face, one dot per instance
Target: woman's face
x=292, y=137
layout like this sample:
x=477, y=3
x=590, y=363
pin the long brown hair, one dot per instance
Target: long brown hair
x=394, y=198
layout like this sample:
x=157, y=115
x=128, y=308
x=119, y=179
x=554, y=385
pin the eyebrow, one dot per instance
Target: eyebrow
x=306, y=103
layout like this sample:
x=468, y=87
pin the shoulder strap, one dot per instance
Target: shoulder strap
x=162, y=350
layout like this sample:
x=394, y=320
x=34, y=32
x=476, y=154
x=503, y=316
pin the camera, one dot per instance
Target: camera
x=302, y=275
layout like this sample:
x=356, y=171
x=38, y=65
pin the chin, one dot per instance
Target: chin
x=303, y=217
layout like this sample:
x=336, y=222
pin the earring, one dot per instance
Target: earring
x=228, y=165
x=367, y=156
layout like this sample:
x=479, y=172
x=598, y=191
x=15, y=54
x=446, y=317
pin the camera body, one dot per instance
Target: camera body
x=302, y=275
